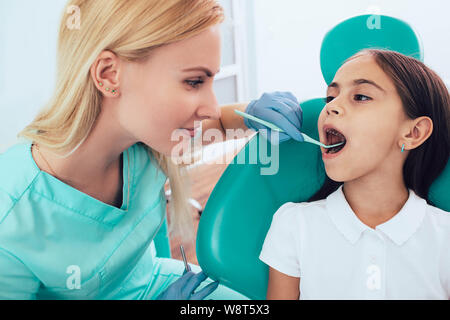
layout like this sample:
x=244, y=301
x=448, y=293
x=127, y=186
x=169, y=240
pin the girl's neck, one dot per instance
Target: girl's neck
x=373, y=202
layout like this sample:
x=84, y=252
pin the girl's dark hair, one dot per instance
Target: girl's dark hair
x=423, y=93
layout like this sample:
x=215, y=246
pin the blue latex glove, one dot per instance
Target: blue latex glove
x=183, y=288
x=280, y=108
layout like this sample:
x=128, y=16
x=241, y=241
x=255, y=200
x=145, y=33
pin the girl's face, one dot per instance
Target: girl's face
x=171, y=91
x=364, y=107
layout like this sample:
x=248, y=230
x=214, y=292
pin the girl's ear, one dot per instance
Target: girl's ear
x=420, y=130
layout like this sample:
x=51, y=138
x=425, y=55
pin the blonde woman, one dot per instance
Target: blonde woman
x=82, y=200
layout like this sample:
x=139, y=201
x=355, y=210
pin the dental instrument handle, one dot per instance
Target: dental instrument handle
x=274, y=127
x=263, y=122
x=183, y=255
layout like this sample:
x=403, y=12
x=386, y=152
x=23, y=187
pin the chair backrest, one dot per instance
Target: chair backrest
x=238, y=214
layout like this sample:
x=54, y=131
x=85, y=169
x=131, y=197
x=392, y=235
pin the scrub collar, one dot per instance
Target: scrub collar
x=138, y=161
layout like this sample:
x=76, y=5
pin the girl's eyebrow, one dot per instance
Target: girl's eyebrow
x=363, y=81
x=358, y=82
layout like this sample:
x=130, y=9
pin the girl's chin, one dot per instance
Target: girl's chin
x=337, y=173
x=337, y=177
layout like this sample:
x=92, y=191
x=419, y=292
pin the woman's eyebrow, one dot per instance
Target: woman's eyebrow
x=208, y=72
x=358, y=82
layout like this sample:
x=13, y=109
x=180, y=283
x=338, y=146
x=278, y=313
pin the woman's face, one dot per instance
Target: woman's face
x=171, y=91
x=363, y=105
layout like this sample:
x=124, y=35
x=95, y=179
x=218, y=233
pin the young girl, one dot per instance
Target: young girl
x=371, y=232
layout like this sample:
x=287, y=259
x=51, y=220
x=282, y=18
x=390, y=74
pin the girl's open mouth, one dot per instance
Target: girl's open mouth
x=333, y=136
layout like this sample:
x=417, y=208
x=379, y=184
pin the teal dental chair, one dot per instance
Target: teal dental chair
x=238, y=214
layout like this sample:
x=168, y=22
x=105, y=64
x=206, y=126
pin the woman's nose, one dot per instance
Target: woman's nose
x=209, y=108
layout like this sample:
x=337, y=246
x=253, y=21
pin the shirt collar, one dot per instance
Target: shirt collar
x=399, y=228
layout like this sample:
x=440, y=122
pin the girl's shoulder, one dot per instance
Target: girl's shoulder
x=441, y=218
x=301, y=212
x=304, y=206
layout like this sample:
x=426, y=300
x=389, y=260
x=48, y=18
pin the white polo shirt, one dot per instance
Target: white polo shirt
x=336, y=256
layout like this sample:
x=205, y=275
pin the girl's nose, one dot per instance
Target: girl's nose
x=334, y=108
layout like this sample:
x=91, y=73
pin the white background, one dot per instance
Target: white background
x=289, y=34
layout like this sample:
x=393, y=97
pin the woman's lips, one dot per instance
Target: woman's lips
x=192, y=132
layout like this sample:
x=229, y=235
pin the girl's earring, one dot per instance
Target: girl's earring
x=100, y=84
x=403, y=147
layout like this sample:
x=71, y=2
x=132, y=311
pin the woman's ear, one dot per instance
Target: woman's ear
x=420, y=130
x=106, y=72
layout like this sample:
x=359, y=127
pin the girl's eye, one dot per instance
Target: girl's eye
x=328, y=99
x=194, y=83
x=361, y=97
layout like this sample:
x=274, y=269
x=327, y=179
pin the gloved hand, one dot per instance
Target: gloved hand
x=183, y=288
x=280, y=108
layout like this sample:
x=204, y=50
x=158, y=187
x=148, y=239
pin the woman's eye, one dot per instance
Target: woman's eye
x=361, y=97
x=194, y=83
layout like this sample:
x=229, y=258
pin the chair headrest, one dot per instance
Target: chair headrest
x=366, y=32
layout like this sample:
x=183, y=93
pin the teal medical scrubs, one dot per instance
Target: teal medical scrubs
x=57, y=242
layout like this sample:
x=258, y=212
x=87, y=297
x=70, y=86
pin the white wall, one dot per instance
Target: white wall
x=289, y=33
x=28, y=33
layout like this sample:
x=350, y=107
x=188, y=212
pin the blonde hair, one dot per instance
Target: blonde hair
x=131, y=30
